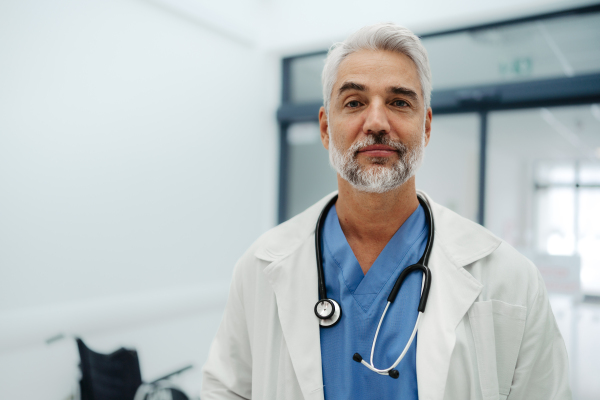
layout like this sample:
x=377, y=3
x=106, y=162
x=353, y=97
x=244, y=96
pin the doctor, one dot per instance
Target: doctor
x=487, y=331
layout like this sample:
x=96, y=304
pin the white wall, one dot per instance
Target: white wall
x=138, y=157
x=130, y=139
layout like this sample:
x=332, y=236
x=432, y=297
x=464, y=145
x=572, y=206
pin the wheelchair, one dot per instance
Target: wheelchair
x=117, y=376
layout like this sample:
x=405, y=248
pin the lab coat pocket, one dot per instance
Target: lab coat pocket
x=497, y=333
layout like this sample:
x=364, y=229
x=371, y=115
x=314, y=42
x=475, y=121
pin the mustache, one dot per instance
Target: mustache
x=400, y=147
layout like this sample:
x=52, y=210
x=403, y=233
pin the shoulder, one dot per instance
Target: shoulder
x=505, y=274
x=283, y=239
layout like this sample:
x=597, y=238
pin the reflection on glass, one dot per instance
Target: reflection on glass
x=589, y=173
x=305, y=75
x=588, y=244
x=543, y=184
x=556, y=47
x=555, y=172
x=556, y=221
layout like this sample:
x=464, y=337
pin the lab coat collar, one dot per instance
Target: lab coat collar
x=292, y=272
x=285, y=238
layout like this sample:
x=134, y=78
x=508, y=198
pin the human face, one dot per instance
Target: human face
x=377, y=125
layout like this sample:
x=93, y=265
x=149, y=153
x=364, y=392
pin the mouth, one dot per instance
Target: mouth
x=378, y=150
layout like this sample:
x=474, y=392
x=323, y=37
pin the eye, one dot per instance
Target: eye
x=353, y=104
x=400, y=103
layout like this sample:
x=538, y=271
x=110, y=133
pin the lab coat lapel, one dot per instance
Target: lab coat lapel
x=453, y=291
x=292, y=274
x=294, y=281
x=450, y=296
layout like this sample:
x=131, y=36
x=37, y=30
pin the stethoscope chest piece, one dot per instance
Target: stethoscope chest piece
x=328, y=311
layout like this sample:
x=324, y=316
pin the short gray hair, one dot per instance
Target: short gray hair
x=383, y=36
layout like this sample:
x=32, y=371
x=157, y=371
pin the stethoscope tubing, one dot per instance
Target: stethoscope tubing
x=386, y=371
x=424, y=261
x=320, y=221
x=330, y=319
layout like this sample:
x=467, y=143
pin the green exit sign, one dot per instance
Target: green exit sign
x=522, y=66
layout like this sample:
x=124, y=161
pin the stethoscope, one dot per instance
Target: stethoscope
x=329, y=311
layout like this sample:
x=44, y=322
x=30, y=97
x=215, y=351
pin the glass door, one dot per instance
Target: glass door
x=543, y=188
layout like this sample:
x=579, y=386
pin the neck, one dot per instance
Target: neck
x=369, y=220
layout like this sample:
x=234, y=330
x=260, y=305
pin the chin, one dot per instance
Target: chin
x=379, y=161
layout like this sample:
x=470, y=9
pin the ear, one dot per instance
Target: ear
x=428, y=117
x=324, y=127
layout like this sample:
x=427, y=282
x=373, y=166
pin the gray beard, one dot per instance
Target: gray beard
x=378, y=178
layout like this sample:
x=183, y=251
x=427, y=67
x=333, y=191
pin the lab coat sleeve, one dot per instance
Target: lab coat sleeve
x=227, y=373
x=542, y=370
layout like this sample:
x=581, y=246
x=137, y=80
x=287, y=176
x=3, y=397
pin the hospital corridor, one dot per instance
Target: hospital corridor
x=157, y=158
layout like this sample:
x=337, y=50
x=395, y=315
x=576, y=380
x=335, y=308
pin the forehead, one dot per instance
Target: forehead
x=378, y=69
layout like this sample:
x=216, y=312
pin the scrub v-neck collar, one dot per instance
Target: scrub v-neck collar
x=366, y=288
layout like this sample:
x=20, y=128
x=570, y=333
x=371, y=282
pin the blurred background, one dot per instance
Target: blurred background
x=145, y=144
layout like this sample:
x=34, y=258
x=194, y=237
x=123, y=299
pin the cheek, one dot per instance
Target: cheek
x=344, y=134
x=411, y=130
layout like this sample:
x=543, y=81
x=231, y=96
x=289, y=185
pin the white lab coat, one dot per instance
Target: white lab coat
x=488, y=332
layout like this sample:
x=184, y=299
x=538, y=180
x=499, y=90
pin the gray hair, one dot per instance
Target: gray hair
x=383, y=36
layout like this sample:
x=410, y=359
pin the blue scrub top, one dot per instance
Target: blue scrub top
x=363, y=299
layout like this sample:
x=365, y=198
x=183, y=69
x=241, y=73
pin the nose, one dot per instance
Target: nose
x=376, y=121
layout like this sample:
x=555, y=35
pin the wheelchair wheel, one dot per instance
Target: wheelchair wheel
x=161, y=390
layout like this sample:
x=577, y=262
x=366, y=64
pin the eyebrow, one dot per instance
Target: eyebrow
x=351, y=86
x=405, y=92
x=395, y=90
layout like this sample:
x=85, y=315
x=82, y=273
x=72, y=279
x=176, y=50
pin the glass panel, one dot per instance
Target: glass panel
x=305, y=79
x=551, y=48
x=539, y=163
x=309, y=176
x=589, y=173
x=449, y=173
x=577, y=37
x=579, y=127
x=548, y=173
x=518, y=142
x=589, y=239
x=556, y=221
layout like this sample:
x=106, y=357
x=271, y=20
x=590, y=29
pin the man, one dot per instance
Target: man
x=487, y=332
